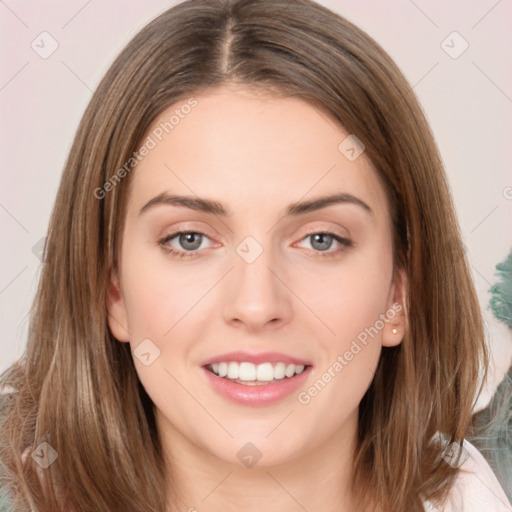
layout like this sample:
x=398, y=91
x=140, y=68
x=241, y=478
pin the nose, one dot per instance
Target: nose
x=258, y=295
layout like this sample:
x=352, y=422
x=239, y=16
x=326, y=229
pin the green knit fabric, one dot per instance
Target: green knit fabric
x=492, y=427
x=501, y=299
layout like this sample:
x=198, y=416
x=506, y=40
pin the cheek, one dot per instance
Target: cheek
x=353, y=300
x=350, y=297
x=159, y=292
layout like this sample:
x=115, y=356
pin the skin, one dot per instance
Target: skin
x=256, y=154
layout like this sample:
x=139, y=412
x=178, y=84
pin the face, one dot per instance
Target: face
x=261, y=271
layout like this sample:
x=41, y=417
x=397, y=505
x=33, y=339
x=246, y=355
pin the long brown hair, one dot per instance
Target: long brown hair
x=76, y=386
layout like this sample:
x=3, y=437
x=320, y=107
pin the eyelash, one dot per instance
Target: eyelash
x=344, y=242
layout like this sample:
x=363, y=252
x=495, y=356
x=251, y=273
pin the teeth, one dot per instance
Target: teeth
x=247, y=371
x=223, y=369
x=233, y=371
x=264, y=372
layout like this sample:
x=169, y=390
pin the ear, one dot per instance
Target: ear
x=396, y=313
x=117, y=317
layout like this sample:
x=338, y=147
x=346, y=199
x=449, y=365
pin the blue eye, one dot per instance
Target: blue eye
x=322, y=241
x=191, y=241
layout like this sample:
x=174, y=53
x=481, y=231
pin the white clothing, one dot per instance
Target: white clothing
x=476, y=488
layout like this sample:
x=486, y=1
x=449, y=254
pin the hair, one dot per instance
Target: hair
x=76, y=386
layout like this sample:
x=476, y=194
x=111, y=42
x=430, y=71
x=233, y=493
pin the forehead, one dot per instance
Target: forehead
x=250, y=150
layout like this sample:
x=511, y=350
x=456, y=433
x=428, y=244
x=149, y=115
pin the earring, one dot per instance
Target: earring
x=394, y=331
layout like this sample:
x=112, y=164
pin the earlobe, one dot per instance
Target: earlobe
x=394, y=329
x=116, y=309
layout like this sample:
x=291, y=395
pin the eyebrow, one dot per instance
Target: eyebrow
x=214, y=207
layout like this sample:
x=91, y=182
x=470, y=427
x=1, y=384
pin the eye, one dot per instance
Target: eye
x=322, y=241
x=190, y=242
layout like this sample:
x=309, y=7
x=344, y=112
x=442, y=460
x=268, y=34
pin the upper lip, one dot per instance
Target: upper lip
x=262, y=357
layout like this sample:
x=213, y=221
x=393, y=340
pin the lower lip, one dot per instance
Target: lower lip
x=257, y=395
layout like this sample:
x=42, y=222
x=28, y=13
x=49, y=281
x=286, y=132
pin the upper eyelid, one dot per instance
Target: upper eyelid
x=178, y=232
x=319, y=229
x=335, y=235
x=309, y=231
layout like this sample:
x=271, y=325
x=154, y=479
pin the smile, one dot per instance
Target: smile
x=255, y=385
x=249, y=373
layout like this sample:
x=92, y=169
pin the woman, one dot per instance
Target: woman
x=244, y=301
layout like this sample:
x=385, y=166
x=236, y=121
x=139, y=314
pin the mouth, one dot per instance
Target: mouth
x=255, y=385
x=250, y=374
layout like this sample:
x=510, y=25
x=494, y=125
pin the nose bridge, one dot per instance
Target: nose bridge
x=257, y=295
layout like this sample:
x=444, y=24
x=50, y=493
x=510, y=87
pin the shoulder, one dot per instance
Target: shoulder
x=476, y=488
